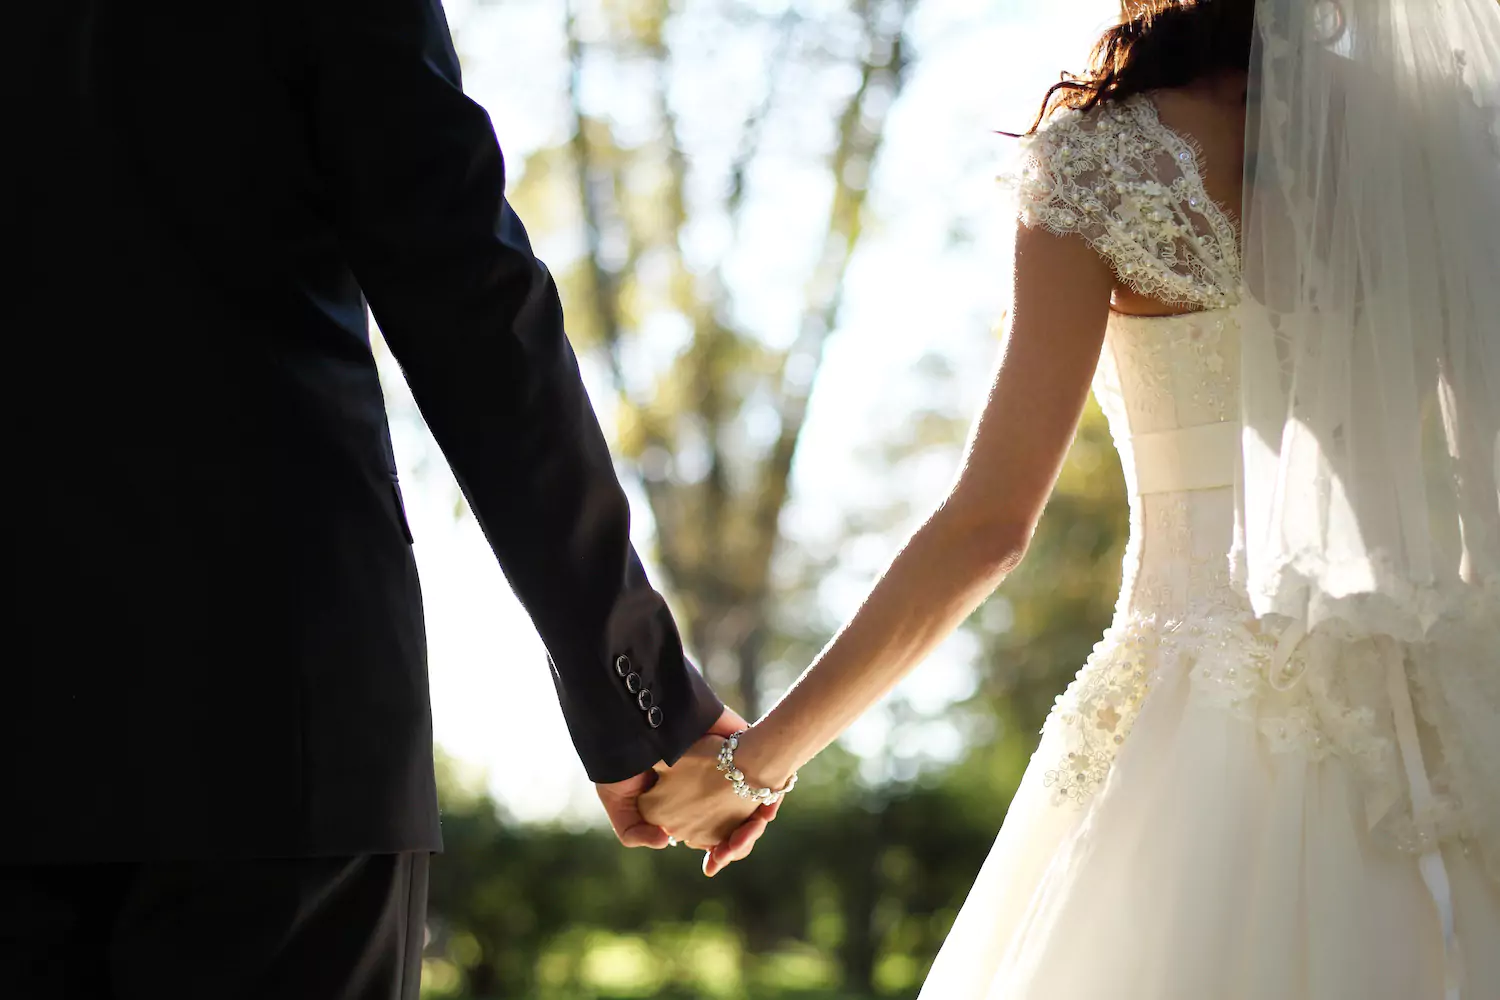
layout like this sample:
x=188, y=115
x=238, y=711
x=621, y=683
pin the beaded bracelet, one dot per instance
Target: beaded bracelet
x=765, y=796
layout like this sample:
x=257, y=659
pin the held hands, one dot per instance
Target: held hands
x=643, y=809
x=693, y=800
x=621, y=799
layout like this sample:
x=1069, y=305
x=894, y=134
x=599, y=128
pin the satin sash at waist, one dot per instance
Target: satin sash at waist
x=1187, y=458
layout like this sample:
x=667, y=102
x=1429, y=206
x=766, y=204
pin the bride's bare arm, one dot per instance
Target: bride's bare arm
x=955, y=559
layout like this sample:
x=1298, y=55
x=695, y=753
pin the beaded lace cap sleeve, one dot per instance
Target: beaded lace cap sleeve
x=1132, y=187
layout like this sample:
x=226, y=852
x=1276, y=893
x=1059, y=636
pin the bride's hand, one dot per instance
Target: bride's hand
x=693, y=802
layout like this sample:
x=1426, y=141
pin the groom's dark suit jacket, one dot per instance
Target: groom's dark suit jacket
x=221, y=643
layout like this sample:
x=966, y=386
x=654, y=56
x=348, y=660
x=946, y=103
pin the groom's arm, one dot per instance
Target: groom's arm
x=417, y=183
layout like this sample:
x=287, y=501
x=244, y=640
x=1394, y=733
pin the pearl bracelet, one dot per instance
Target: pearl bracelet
x=765, y=796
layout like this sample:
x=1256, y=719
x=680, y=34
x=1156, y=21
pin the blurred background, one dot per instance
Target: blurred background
x=784, y=259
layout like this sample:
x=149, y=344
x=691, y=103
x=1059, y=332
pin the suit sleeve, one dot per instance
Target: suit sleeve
x=417, y=182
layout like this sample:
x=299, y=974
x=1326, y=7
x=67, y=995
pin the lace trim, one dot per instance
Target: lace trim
x=1134, y=189
x=1188, y=155
x=1328, y=699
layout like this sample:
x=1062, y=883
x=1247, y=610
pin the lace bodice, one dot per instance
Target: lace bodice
x=1169, y=388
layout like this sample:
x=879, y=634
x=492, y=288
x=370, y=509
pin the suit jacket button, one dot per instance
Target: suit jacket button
x=653, y=717
x=633, y=682
x=622, y=665
x=645, y=699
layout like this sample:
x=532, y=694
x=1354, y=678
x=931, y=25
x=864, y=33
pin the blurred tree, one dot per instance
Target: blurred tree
x=710, y=405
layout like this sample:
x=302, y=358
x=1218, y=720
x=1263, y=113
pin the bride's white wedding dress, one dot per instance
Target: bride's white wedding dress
x=1210, y=815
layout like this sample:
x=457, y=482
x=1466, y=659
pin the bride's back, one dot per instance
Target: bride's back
x=1209, y=115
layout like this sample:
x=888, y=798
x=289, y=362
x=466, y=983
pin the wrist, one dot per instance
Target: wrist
x=765, y=761
x=729, y=723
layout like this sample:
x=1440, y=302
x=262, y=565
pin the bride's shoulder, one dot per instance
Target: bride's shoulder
x=1087, y=130
x=1112, y=141
x=1131, y=132
x=1069, y=167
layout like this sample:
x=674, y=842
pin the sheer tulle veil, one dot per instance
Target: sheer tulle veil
x=1368, y=505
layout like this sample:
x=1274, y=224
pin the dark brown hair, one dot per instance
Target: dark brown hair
x=1159, y=44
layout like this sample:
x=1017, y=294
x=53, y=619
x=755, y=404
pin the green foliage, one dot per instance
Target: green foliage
x=853, y=889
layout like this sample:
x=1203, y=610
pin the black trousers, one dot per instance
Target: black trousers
x=292, y=929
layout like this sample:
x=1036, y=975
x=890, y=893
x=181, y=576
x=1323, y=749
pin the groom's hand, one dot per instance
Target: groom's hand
x=621, y=799
x=621, y=804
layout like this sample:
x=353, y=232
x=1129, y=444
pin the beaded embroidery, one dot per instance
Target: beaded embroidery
x=1133, y=188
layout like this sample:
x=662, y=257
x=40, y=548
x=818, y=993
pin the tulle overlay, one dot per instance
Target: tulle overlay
x=1370, y=377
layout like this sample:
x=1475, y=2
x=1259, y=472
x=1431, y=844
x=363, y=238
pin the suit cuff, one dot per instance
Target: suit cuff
x=683, y=715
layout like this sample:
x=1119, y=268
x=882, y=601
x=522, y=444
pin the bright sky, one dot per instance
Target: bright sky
x=982, y=66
